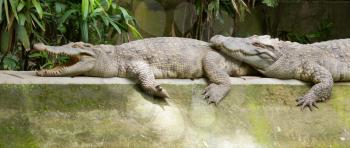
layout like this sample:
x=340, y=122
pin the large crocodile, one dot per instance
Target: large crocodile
x=147, y=59
x=320, y=63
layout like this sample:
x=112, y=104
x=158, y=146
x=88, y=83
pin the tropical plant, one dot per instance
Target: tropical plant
x=24, y=22
x=270, y=3
x=92, y=16
x=19, y=20
x=209, y=11
x=322, y=33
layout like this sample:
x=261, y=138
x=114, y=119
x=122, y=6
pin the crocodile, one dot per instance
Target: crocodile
x=321, y=63
x=150, y=59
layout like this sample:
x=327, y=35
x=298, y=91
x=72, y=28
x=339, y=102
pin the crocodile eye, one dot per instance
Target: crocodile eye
x=87, y=45
x=76, y=46
x=257, y=44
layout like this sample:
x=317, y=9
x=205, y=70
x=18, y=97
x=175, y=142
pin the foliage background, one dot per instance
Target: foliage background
x=57, y=22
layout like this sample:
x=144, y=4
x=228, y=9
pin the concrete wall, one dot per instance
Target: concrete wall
x=112, y=112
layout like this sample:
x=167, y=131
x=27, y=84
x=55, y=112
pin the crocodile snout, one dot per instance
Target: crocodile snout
x=217, y=39
x=39, y=46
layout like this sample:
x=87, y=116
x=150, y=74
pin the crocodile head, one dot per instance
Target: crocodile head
x=82, y=55
x=253, y=51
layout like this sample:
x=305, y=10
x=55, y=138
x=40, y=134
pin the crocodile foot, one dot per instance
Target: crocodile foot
x=309, y=100
x=214, y=93
x=160, y=92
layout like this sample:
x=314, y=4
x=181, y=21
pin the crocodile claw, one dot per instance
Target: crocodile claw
x=309, y=100
x=214, y=93
x=160, y=92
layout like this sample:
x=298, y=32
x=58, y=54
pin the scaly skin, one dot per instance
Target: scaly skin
x=148, y=59
x=320, y=63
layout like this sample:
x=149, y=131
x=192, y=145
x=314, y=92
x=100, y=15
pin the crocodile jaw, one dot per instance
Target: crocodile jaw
x=81, y=60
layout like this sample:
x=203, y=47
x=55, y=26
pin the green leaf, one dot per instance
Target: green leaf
x=59, y=7
x=65, y=16
x=119, y=17
x=125, y=14
x=211, y=6
x=7, y=13
x=115, y=26
x=5, y=38
x=84, y=31
x=92, y=4
x=49, y=14
x=217, y=6
x=105, y=19
x=42, y=27
x=49, y=65
x=20, y=6
x=270, y=3
x=243, y=4
x=21, y=19
x=85, y=8
x=134, y=32
x=1, y=2
x=114, y=5
x=96, y=11
x=14, y=4
x=35, y=55
x=62, y=29
x=235, y=7
x=38, y=36
x=63, y=59
x=96, y=28
x=22, y=35
x=214, y=7
x=105, y=4
x=11, y=62
x=38, y=8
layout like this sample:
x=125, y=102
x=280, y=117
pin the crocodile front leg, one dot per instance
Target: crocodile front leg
x=220, y=80
x=321, y=77
x=146, y=79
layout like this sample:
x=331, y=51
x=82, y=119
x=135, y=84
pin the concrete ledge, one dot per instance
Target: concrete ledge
x=113, y=112
x=29, y=77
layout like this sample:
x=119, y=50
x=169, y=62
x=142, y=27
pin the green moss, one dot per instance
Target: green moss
x=11, y=96
x=65, y=98
x=259, y=123
x=15, y=133
x=340, y=100
x=85, y=115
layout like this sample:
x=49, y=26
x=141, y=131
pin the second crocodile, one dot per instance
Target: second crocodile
x=320, y=63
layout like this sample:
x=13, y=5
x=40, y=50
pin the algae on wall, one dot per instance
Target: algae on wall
x=77, y=115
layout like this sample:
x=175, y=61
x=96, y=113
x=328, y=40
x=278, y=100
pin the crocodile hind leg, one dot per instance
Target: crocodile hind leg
x=321, y=77
x=220, y=80
x=146, y=79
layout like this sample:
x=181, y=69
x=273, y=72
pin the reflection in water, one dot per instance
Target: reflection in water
x=165, y=121
x=240, y=139
x=202, y=114
x=141, y=120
